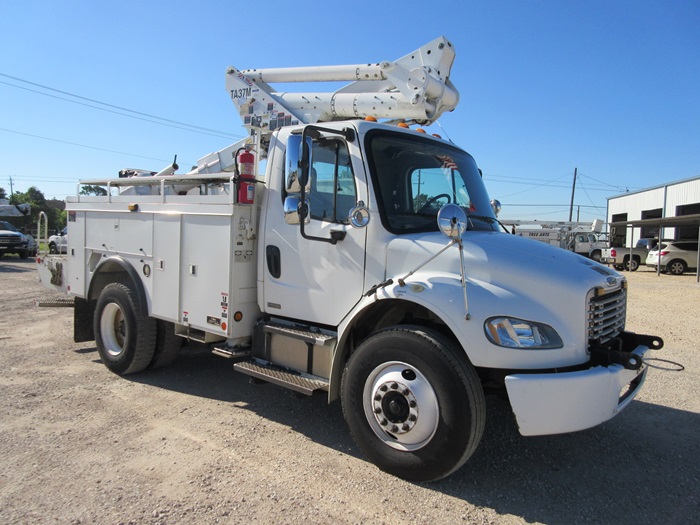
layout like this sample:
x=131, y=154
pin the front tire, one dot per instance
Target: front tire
x=125, y=338
x=53, y=248
x=414, y=406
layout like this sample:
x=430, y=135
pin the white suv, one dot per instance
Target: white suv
x=676, y=256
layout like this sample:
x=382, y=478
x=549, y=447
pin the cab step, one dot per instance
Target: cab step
x=313, y=337
x=303, y=384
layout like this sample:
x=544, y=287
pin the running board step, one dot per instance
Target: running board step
x=293, y=381
x=308, y=336
x=55, y=303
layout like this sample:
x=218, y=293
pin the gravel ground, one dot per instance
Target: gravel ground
x=196, y=443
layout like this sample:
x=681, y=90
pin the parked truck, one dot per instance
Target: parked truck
x=11, y=239
x=630, y=259
x=584, y=238
x=365, y=263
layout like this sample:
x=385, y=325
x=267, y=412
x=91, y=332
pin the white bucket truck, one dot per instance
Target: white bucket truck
x=366, y=262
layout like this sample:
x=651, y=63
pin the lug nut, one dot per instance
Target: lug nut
x=411, y=417
x=394, y=386
x=413, y=404
x=405, y=427
x=384, y=422
x=377, y=397
x=394, y=428
x=383, y=388
x=377, y=410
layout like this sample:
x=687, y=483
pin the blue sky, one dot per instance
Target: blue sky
x=611, y=88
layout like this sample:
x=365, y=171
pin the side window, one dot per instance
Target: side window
x=333, y=193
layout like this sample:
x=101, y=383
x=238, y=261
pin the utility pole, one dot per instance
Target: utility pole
x=573, y=188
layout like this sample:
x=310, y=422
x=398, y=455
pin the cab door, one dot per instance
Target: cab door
x=309, y=278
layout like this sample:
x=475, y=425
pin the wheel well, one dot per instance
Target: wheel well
x=670, y=263
x=116, y=270
x=375, y=317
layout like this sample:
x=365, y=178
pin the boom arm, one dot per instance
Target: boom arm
x=415, y=87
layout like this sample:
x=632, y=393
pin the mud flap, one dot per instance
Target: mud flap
x=83, y=313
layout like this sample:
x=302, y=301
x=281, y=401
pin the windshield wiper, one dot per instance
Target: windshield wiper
x=489, y=220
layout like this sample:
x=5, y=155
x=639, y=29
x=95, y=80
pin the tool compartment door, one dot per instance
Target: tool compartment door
x=205, y=271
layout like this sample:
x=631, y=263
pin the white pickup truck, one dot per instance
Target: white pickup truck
x=630, y=259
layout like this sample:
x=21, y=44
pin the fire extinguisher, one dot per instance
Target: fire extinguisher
x=246, y=177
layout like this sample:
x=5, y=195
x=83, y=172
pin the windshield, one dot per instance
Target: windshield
x=7, y=226
x=415, y=176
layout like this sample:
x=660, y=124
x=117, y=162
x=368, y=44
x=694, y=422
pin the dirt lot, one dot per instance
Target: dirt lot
x=196, y=443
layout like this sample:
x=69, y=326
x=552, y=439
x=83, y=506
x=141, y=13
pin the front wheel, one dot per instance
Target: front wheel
x=125, y=338
x=414, y=406
x=677, y=267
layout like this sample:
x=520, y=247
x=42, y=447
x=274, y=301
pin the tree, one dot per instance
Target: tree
x=35, y=198
x=89, y=189
x=3, y=194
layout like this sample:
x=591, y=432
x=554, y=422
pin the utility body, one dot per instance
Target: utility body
x=366, y=262
x=584, y=238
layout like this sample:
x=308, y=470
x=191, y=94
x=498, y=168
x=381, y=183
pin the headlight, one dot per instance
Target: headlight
x=517, y=333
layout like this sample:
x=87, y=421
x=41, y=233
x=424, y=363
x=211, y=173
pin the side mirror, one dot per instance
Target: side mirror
x=452, y=221
x=359, y=215
x=296, y=173
x=295, y=212
x=496, y=206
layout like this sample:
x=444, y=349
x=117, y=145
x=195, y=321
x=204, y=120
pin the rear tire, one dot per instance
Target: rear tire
x=167, y=345
x=52, y=248
x=631, y=264
x=676, y=267
x=125, y=338
x=415, y=407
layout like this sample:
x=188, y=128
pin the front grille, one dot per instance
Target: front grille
x=10, y=241
x=606, y=315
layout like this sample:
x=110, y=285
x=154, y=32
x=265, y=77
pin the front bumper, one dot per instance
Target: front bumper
x=556, y=403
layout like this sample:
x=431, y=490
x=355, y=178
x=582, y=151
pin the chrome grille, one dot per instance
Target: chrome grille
x=606, y=315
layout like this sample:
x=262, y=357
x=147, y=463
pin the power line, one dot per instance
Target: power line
x=142, y=114
x=534, y=187
x=84, y=145
x=226, y=136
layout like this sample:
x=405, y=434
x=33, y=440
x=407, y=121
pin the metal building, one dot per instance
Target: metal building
x=675, y=205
